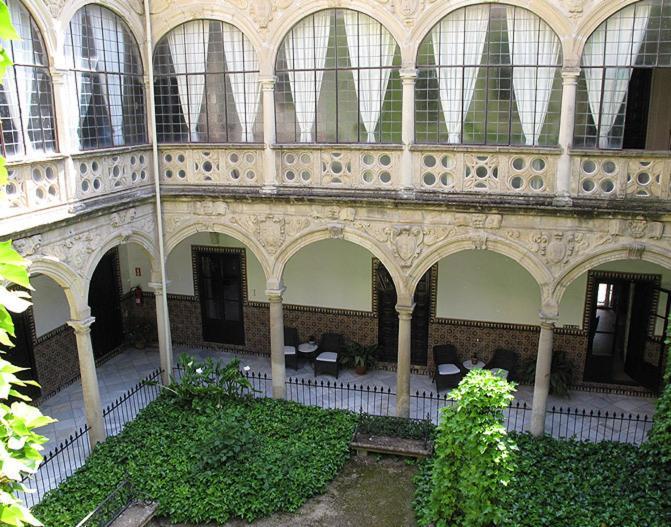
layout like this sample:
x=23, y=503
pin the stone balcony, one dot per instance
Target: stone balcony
x=56, y=187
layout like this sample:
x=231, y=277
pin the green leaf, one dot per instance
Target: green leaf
x=5, y=62
x=4, y=175
x=7, y=30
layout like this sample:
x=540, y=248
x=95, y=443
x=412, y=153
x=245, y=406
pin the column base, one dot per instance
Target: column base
x=269, y=189
x=562, y=201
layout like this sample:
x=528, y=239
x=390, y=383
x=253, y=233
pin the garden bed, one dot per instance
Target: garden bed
x=212, y=462
x=562, y=483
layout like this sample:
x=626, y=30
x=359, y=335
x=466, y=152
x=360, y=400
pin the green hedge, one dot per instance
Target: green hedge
x=559, y=483
x=245, y=459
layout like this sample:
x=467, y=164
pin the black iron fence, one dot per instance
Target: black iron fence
x=111, y=507
x=561, y=423
x=61, y=462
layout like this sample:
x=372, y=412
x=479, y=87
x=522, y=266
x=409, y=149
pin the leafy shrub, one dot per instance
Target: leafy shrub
x=287, y=454
x=658, y=445
x=473, y=453
x=208, y=379
x=561, y=373
x=395, y=427
x=562, y=483
x=357, y=355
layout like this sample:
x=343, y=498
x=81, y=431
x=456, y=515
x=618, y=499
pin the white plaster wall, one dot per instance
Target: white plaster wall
x=132, y=257
x=180, y=272
x=483, y=285
x=572, y=306
x=50, y=306
x=330, y=273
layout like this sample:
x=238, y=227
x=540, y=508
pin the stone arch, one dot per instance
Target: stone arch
x=174, y=18
x=554, y=18
x=72, y=284
x=651, y=254
x=390, y=22
x=597, y=16
x=175, y=238
x=42, y=17
x=519, y=254
x=349, y=235
x=133, y=19
x=139, y=238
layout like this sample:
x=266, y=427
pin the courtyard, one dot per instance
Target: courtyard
x=124, y=370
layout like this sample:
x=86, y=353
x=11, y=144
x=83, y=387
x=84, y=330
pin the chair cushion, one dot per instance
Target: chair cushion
x=327, y=356
x=448, y=369
x=289, y=350
x=500, y=372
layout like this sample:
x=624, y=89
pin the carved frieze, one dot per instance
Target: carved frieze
x=557, y=247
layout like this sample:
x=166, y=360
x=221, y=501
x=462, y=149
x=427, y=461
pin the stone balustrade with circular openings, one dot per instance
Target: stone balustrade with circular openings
x=482, y=171
x=340, y=168
x=33, y=186
x=624, y=175
x=219, y=166
x=101, y=173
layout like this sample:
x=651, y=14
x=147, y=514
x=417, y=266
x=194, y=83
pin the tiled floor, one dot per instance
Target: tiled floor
x=122, y=372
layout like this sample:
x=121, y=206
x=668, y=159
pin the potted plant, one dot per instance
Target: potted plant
x=561, y=373
x=138, y=334
x=360, y=356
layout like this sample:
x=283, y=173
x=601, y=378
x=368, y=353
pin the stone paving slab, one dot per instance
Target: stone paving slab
x=125, y=370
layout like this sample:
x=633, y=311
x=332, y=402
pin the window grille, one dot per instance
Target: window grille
x=26, y=101
x=489, y=74
x=106, y=80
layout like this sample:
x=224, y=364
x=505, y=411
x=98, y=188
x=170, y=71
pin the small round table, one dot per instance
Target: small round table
x=468, y=364
x=308, y=350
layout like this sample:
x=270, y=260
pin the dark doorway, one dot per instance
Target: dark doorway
x=622, y=314
x=105, y=304
x=388, y=318
x=638, y=102
x=22, y=355
x=219, y=276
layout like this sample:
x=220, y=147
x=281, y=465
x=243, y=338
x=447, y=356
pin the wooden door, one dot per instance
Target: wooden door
x=639, y=328
x=388, y=319
x=221, y=296
x=105, y=304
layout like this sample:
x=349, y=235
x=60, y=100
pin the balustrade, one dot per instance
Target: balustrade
x=220, y=165
x=602, y=174
x=498, y=171
x=35, y=185
x=100, y=173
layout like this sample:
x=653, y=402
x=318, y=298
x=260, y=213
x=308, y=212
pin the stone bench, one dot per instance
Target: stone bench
x=136, y=515
x=417, y=448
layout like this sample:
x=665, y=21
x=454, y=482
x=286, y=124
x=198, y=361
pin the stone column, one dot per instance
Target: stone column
x=542, y=380
x=64, y=113
x=277, y=341
x=87, y=370
x=269, y=134
x=163, y=328
x=566, y=126
x=403, y=366
x=408, y=76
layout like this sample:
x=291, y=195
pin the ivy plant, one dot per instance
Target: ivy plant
x=473, y=462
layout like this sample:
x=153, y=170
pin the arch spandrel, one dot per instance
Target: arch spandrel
x=625, y=251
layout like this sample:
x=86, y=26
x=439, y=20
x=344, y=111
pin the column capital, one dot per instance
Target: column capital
x=156, y=287
x=268, y=82
x=274, y=295
x=405, y=312
x=548, y=319
x=82, y=326
x=408, y=74
x=58, y=75
x=570, y=74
